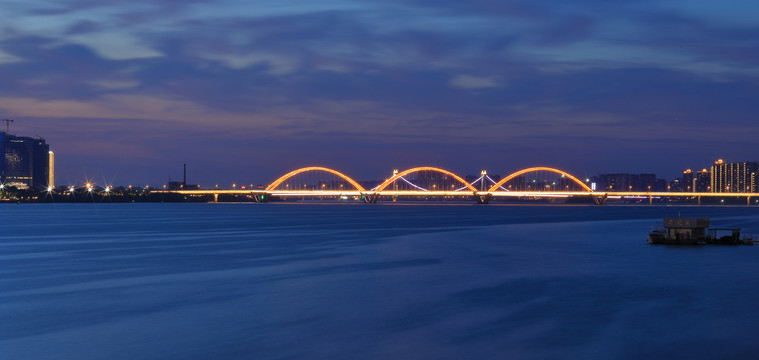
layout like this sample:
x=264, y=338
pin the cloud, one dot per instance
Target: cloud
x=6, y=58
x=118, y=107
x=274, y=63
x=115, y=84
x=83, y=27
x=473, y=82
x=408, y=73
x=115, y=45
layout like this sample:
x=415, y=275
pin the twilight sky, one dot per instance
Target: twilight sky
x=243, y=91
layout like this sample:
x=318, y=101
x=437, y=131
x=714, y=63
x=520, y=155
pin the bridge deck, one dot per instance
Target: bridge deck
x=455, y=193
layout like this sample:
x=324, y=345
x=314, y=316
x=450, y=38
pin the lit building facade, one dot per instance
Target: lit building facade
x=688, y=181
x=630, y=182
x=702, y=181
x=51, y=169
x=24, y=162
x=695, y=181
x=734, y=177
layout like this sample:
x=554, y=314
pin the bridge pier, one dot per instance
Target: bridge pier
x=699, y=200
x=215, y=198
x=650, y=200
x=483, y=199
x=748, y=200
x=600, y=200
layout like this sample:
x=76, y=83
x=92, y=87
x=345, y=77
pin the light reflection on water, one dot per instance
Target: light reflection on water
x=242, y=281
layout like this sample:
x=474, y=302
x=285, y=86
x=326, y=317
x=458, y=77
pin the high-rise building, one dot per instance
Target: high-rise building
x=51, y=168
x=702, y=181
x=688, y=181
x=675, y=185
x=24, y=162
x=734, y=177
x=629, y=182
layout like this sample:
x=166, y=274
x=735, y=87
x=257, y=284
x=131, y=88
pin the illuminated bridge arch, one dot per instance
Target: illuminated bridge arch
x=540, y=168
x=314, y=168
x=423, y=168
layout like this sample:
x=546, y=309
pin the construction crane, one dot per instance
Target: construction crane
x=7, y=124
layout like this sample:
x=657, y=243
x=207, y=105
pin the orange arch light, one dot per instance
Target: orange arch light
x=539, y=168
x=314, y=168
x=423, y=168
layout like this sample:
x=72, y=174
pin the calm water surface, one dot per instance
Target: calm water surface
x=311, y=281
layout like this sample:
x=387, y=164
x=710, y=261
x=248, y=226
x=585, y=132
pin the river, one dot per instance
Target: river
x=381, y=281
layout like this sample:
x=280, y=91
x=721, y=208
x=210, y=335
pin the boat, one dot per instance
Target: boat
x=695, y=231
x=734, y=237
x=657, y=236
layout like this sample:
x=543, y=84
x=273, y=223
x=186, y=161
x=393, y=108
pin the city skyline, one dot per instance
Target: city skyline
x=172, y=177
x=27, y=162
x=127, y=93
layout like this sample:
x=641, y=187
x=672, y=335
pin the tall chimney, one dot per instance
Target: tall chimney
x=184, y=180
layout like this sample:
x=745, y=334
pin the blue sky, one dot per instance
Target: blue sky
x=244, y=91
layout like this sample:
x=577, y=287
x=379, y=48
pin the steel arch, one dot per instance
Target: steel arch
x=422, y=168
x=284, y=177
x=539, y=168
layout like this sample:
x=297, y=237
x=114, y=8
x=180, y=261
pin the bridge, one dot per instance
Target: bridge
x=427, y=182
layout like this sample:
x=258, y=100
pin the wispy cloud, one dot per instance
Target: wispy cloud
x=473, y=82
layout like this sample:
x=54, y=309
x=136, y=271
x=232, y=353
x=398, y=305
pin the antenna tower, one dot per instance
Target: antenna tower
x=7, y=124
